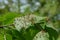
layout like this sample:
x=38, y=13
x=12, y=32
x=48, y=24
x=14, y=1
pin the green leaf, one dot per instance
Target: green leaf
x=1, y=37
x=8, y=18
x=8, y=37
x=1, y=34
x=29, y=33
x=53, y=34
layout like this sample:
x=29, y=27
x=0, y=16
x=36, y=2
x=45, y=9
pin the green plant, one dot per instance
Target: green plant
x=39, y=28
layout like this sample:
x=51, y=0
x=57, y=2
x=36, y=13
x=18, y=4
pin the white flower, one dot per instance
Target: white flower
x=26, y=21
x=41, y=36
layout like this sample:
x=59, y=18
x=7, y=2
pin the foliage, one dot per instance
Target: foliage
x=39, y=20
x=31, y=32
x=1, y=34
x=8, y=18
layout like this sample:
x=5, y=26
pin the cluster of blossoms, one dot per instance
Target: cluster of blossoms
x=41, y=36
x=26, y=21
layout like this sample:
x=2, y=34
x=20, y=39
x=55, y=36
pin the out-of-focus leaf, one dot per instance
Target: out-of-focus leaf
x=8, y=37
x=8, y=18
x=1, y=37
x=53, y=34
x=58, y=38
x=29, y=33
x=1, y=34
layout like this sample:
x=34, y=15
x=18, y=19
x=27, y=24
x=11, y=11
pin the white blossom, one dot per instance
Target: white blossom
x=26, y=21
x=41, y=36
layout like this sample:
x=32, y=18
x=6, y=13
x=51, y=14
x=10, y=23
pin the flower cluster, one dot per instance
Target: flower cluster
x=26, y=21
x=41, y=36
